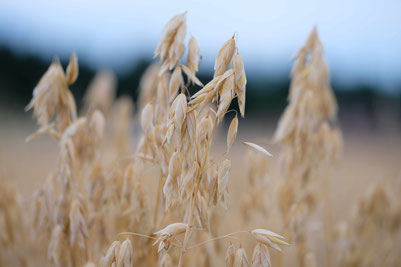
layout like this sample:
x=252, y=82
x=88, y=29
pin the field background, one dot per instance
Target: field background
x=370, y=156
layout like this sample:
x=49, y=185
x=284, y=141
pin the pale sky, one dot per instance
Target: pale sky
x=362, y=38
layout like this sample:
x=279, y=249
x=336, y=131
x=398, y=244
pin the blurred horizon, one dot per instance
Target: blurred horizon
x=361, y=39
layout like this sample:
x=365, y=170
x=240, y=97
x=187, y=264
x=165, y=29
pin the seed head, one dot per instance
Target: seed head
x=193, y=55
x=269, y=238
x=125, y=255
x=224, y=57
x=232, y=133
x=240, y=259
x=261, y=256
x=110, y=260
x=240, y=82
x=173, y=229
x=230, y=255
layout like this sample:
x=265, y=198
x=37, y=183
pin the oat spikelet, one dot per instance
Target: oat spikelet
x=176, y=82
x=258, y=148
x=240, y=259
x=224, y=57
x=261, y=256
x=166, y=233
x=193, y=55
x=223, y=176
x=110, y=260
x=125, y=255
x=226, y=96
x=191, y=76
x=240, y=82
x=170, y=190
x=180, y=110
x=230, y=255
x=172, y=229
x=269, y=238
x=232, y=133
x=193, y=59
x=78, y=228
x=72, y=70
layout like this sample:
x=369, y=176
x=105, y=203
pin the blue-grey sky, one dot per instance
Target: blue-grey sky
x=362, y=38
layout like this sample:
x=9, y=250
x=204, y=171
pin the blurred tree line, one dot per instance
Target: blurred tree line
x=265, y=95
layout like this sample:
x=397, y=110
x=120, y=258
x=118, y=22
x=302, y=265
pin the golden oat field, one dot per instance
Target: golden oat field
x=185, y=179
